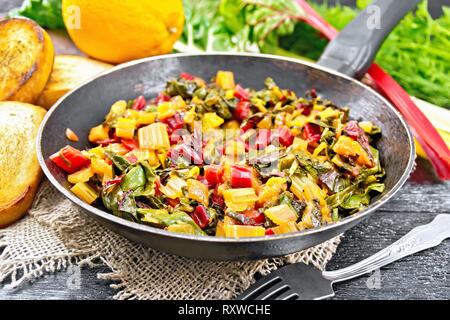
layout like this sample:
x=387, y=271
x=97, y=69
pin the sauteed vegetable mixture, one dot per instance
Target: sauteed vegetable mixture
x=219, y=159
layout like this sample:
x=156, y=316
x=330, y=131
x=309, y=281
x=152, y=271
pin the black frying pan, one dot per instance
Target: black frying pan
x=351, y=53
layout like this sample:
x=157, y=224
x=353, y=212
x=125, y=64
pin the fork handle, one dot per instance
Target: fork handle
x=418, y=239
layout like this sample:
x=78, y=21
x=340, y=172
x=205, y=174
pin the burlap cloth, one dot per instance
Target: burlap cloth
x=55, y=235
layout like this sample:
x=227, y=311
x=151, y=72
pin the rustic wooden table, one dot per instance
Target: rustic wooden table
x=424, y=275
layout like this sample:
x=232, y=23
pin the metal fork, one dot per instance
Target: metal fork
x=302, y=282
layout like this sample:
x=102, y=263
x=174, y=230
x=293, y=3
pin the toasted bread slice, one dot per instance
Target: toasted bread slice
x=68, y=72
x=20, y=172
x=26, y=60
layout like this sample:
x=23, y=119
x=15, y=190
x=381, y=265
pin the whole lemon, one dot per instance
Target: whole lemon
x=116, y=31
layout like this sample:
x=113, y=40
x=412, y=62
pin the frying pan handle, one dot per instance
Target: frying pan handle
x=353, y=50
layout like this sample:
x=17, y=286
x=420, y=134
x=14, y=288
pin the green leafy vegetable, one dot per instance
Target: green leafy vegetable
x=416, y=54
x=150, y=179
x=167, y=219
x=127, y=206
x=182, y=87
x=111, y=199
x=360, y=201
x=313, y=166
x=119, y=161
x=235, y=25
x=134, y=179
x=296, y=205
x=340, y=197
x=334, y=181
x=205, y=29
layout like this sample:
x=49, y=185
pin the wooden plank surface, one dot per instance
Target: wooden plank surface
x=425, y=275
